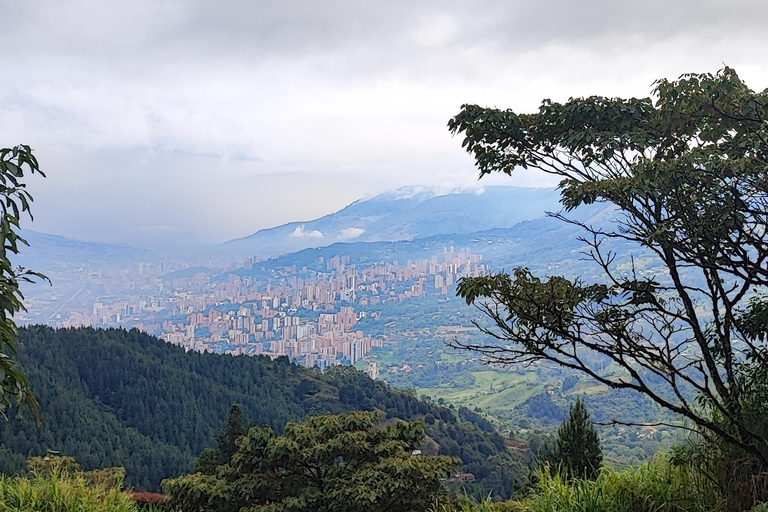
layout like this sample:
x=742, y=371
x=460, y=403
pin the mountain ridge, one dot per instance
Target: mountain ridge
x=116, y=397
x=406, y=213
x=399, y=215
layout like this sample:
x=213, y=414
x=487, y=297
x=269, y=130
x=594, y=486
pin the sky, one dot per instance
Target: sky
x=162, y=123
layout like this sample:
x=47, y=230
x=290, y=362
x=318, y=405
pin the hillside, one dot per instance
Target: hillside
x=52, y=252
x=536, y=243
x=116, y=397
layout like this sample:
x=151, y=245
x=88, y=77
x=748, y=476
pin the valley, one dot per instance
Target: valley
x=387, y=307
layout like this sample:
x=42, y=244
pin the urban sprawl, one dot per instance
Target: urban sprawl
x=307, y=314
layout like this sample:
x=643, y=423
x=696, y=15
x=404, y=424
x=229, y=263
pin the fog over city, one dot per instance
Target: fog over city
x=176, y=122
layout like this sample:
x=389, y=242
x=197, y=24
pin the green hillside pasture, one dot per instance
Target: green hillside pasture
x=495, y=392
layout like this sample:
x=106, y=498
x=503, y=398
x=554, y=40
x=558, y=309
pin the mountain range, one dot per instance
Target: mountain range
x=50, y=251
x=404, y=214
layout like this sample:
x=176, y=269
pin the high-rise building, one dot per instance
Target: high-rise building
x=373, y=370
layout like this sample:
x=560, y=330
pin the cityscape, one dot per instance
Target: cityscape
x=309, y=314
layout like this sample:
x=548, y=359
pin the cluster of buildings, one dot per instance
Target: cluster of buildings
x=310, y=313
x=262, y=328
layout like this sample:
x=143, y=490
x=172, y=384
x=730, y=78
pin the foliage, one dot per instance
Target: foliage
x=654, y=487
x=579, y=452
x=658, y=486
x=53, y=464
x=326, y=463
x=226, y=446
x=686, y=174
x=713, y=462
x=466, y=503
x=123, y=398
x=62, y=490
x=14, y=202
x=482, y=452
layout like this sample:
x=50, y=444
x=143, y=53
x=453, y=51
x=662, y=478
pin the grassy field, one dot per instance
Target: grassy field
x=585, y=387
x=495, y=392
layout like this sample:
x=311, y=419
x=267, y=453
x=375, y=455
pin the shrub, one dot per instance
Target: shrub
x=654, y=487
x=61, y=493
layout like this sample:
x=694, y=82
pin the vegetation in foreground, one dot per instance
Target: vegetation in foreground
x=357, y=462
x=659, y=486
x=14, y=203
x=55, y=485
x=346, y=462
x=654, y=487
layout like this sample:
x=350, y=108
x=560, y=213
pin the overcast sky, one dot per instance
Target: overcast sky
x=178, y=121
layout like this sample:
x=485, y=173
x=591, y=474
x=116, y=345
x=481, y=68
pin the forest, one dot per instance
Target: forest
x=124, y=398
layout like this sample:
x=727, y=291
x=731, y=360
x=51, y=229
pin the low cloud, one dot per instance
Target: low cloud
x=300, y=232
x=349, y=233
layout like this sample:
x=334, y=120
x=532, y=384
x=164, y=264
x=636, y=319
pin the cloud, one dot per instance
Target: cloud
x=300, y=232
x=349, y=233
x=318, y=103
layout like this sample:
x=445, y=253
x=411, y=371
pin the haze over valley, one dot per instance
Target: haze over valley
x=372, y=285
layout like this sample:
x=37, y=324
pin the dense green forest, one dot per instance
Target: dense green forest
x=123, y=398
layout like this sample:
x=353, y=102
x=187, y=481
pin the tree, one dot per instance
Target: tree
x=578, y=451
x=226, y=443
x=687, y=176
x=346, y=462
x=14, y=202
x=234, y=428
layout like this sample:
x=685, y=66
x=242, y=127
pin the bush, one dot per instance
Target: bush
x=61, y=492
x=654, y=487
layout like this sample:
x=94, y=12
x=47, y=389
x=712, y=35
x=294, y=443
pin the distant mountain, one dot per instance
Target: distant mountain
x=543, y=243
x=407, y=213
x=48, y=252
x=404, y=214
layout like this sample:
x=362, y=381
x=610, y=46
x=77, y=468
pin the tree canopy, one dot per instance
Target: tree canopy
x=682, y=314
x=346, y=462
x=15, y=201
x=226, y=442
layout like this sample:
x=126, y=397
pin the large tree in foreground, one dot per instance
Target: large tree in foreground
x=687, y=173
x=347, y=462
x=15, y=163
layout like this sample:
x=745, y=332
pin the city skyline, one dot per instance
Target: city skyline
x=308, y=313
